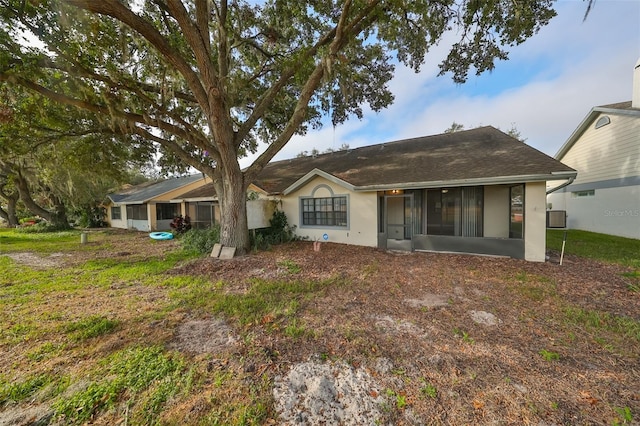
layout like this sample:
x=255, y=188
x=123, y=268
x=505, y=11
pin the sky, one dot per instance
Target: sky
x=546, y=88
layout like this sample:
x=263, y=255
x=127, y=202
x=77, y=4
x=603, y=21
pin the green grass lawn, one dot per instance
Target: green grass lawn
x=90, y=339
x=608, y=248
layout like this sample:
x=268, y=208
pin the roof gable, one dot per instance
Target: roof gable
x=620, y=108
x=312, y=175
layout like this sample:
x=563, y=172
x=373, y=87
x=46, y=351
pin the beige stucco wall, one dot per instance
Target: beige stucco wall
x=362, y=214
x=496, y=211
x=117, y=223
x=535, y=221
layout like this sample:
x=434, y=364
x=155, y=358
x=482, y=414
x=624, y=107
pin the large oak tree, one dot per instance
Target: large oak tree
x=206, y=80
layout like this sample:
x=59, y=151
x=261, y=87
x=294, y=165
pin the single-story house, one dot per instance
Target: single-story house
x=605, y=150
x=151, y=206
x=202, y=207
x=476, y=191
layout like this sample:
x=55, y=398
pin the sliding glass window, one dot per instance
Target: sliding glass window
x=455, y=211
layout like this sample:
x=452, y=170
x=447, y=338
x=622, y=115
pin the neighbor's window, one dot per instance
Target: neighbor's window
x=166, y=211
x=202, y=214
x=116, y=213
x=583, y=194
x=329, y=211
x=137, y=212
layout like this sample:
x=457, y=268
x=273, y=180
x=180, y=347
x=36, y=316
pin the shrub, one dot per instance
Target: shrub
x=42, y=227
x=91, y=217
x=279, y=232
x=201, y=240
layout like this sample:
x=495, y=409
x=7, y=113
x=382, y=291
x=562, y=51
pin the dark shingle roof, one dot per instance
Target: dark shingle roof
x=618, y=105
x=149, y=190
x=205, y=191
x=482, y=153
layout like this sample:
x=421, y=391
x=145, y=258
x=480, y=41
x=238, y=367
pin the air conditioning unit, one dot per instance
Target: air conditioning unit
x=556, y=219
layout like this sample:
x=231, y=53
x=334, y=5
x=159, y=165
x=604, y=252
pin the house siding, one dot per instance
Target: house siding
x=614, y=211
x=610, y=152
x=362, y=214
x=608, y=162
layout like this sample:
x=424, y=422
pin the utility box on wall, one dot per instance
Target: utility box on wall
x=259, y=212
x=556, y=219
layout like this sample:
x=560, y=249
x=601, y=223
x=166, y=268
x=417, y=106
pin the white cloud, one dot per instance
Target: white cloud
x=571, y=66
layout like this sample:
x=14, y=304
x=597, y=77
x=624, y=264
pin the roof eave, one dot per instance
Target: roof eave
x=193, y=199
x=498, y=180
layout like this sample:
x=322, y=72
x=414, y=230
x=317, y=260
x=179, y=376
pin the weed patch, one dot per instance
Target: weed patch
x=534, y=287
x=143, y=379
x=290, y=266
x=18, y=391
x=91, y=327
x=549, y=355
x=266, y=301
x=429, y=390
x=622, y=326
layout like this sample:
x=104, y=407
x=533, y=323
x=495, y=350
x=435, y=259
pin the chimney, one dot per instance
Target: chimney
x=635, y=100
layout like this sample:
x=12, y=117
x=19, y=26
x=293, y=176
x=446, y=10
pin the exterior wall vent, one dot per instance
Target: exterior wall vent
x=602, y=121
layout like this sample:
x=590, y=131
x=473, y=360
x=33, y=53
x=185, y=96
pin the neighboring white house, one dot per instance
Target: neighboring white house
x=605, y=150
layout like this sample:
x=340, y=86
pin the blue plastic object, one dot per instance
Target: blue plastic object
x=161, y=235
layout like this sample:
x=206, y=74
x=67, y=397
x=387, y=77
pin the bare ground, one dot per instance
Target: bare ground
x=429, y=338
x=472, y=327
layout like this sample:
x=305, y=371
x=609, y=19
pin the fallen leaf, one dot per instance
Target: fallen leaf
x=478, y=405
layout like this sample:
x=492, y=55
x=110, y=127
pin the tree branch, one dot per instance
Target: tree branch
x=196, y=163
x=119, y=11
x=129, y=117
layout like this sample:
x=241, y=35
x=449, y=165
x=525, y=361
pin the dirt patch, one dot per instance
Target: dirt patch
x=210, y=336
x=485, y=318
x=32, y=415
x=38, y=262
x=429, y=301
x=331, y=393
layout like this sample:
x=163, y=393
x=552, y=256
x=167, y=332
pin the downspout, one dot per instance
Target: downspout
x=562, y=185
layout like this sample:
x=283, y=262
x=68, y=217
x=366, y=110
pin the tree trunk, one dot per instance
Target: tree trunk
x=10, y=214
x=234, y=231
x=58, y=217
